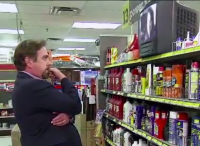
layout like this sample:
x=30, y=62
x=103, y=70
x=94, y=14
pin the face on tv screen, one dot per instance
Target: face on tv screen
x=147, y=28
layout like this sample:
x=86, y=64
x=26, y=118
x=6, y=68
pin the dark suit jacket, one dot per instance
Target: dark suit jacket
x=34, y=102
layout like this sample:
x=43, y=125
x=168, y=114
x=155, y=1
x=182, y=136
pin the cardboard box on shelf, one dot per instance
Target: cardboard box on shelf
x=15, y=136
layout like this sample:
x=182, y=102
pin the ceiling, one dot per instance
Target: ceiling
x=38, y=23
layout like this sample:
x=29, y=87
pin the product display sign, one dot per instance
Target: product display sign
x=135, y=7
x=126, y=14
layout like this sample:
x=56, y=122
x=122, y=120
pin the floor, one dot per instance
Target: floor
x=5, y=141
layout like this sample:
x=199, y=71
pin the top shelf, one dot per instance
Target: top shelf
x=185, y=53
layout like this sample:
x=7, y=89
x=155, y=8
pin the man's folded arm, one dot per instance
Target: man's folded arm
x=51, y=99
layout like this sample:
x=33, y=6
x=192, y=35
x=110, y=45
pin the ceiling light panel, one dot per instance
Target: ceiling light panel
x=11, y=31
x=8, y=8
x=71, y=49
x=9, y=44
x=96, y=25
x=80, y=40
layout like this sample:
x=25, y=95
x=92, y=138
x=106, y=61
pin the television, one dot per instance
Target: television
x=161, y=23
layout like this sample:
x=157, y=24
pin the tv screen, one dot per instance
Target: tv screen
x=147, y=24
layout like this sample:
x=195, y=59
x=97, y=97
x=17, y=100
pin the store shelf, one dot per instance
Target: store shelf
x=7, y=81
x=171, y=101
x=138, y=131
x=109, y=141
x=170, y=55
x=6, y=117
x=6, y=108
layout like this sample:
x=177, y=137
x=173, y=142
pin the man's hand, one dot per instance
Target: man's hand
x=55, y=73
x=61, y=120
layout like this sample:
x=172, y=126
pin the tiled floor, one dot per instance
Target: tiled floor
x=5, y=141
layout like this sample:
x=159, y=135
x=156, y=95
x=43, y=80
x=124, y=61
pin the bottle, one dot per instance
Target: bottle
x=177, y=81
x=119, y=110
x=118, y=82
x=159, y=80
x=134, y=78
x=126, y=111
x=108, y=56
x=126, y=138
x=115, y=135
x=194, y=81
x=157, y=123
x=135, y=143
x=109, y=79
x=114, y=104
x=111, y=105
x=182, y=129
x=168, y=78
x=138, y=117
x=172, y=127
x=105, y=85
x=114, y=78
x=121, y=137
x=178, y=44
x=133, y=113
x=128, y=78
x=108, y=103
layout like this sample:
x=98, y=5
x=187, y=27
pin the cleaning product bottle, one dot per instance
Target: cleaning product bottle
x=135, y=75
x=114, y=54
x=118, y=135
x=126, y=138
x=172, y=127
x=108, y=56
x=178, y=44
x=107, y=103
x=182, y=129
x=114, y=79
x=115, y=135
x=120, y=106
x=114, y=105
x=177, y=81
x=159, y=81
x=194, y=81
x=138, y=118
x=128, y=78
x=126, y=111
x=157, y=124
x=109, y=79
x=111, y=105
x=135, y=143
x=168, y=79
x=118, y=84
x=152, y=119
x=163, y=124
x=122, y=137
x=133, y=113
x=105, y=85
x=187, y=77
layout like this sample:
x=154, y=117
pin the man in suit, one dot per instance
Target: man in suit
x=41, y=111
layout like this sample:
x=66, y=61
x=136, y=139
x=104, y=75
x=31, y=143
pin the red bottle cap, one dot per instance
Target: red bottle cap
x=161, y=68
x=182, y=116
x=195, y=64
x=135, y=71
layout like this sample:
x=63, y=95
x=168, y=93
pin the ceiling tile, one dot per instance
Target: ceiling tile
x=33, y=9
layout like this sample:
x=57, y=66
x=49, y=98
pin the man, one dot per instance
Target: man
x=41, y=111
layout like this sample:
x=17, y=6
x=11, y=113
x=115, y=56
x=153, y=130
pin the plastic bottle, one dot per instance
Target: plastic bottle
x=118, y=84
x=114, y=104
x=105, y=85
x=133, y=51
x=111, y=105
x=172, y=127
x=182, y=129
x=135, y=143
x=157, y=123
x=138, y=117
x=114, y=78
x=108, y=103
x=152, y=119
x=126, y=111
x=109, y=79
x=128, y=79
x=118, y=135
x=141, y=143
x=119, y=110
x=159, y=81
x=126, y=138
x=121, y=137
x=134, y=78
x=115, y=135
x=133, y=113
x=194, y=81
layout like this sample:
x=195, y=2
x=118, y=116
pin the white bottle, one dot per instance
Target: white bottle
x=141, y=143
x=128, y=78
x=126, y=111
x=115, y=135
x=126, y=136
x=135, y=143
x=120, y=130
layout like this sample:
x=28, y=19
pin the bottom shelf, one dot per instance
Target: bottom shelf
x=139, y=132
x=109, y=141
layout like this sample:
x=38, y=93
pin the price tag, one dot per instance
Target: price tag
x=114, y=92
x=147, y=98
x=141, y=96
x=126, y=15
x=164, y=144
x=114, y=120
x=144, y=134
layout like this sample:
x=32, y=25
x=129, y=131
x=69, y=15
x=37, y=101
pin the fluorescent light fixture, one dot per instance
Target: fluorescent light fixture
x=96, y=25
x=11, y=31
x=57, y=55
x=9, y=44
x=8, y=8
x=80, y=40
x=71, y=49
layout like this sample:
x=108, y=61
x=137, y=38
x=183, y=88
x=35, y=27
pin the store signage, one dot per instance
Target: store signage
x=126, y=14
x=135, y=7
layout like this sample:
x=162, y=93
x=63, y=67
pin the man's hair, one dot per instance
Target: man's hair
x=27, y=48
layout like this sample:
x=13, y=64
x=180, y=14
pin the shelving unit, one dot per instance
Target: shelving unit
x=177, y=104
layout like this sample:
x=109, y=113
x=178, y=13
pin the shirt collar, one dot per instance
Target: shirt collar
x=31, y=75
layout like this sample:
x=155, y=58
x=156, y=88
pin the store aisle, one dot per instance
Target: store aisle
x=5, y=141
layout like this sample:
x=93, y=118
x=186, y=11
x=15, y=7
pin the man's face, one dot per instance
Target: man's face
x=40, y=67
